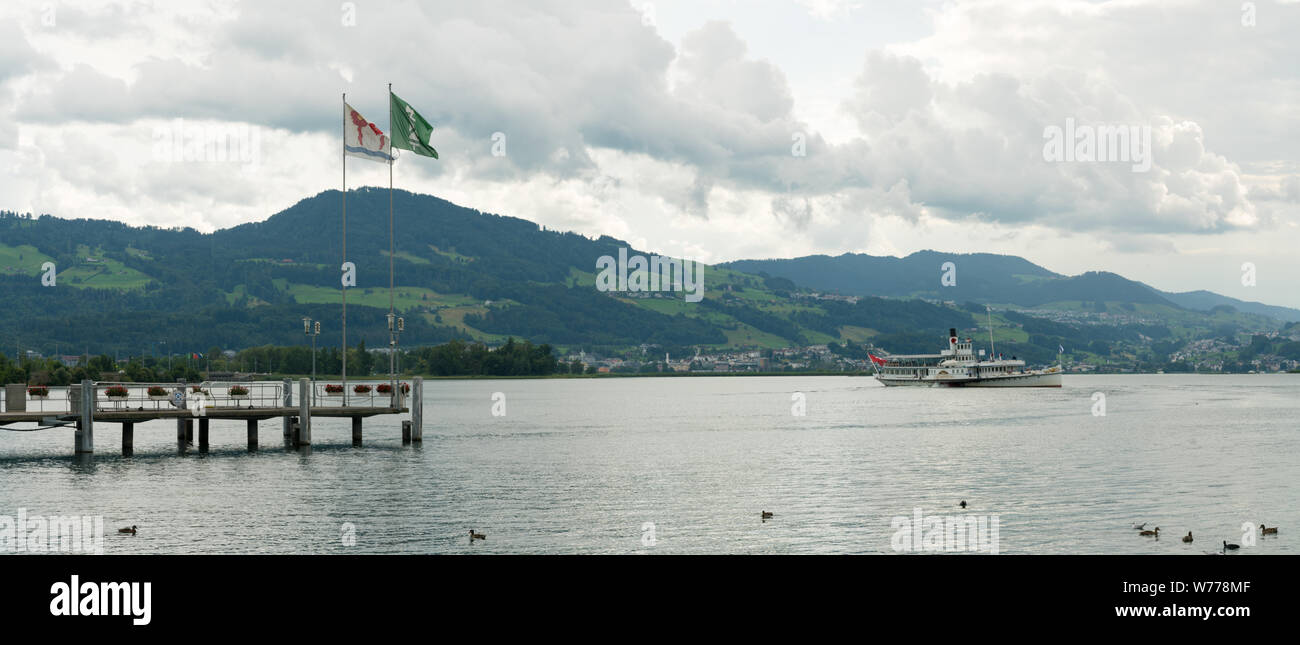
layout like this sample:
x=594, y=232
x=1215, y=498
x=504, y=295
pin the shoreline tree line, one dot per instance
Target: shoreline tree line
x=454, y=358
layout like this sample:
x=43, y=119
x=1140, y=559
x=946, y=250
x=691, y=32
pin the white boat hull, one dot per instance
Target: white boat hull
x=1033, y=379
x=1049, y=379
x=891, y=382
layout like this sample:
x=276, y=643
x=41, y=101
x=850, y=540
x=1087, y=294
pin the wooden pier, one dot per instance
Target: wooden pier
x=88, y=404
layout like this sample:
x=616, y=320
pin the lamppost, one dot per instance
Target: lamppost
x=401, y=327
x=396, y=325
x=312, y=328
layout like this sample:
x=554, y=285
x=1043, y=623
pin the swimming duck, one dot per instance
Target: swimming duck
x=1155, y=533
x=476, y=536
x=1230, y=547
x=767, y=514
x=1188, y=537
x=1268, y=531
x=130, y=531
x=963, y=504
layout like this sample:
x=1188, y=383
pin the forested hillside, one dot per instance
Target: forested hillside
x=471, y=276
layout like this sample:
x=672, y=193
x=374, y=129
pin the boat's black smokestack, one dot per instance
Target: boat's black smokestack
x=952, y=331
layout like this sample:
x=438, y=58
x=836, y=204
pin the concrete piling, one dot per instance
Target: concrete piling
x=304, y=412
x=417, y=409
x=128, y=438
x=356, y=431
x=288, y=403
x=252, y=435
x=406, y=433
x=85, y=436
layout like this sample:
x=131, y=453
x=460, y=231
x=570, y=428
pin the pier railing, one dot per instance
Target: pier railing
x=212, y=394
x=54, y=399
x=111, y=396
x=127, y=404
x=123, y=396
x=331, y=394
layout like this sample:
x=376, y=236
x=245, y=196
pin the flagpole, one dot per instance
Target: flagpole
x=345, y=247
x=391, y=251
x=414, y=137
x=392, y=321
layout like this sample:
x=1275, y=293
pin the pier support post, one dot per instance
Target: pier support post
x=406, y=432
x=189, y=431
x=356, y=431
x=128, y=438
x=288, y=403
x=203, y=434
x=85, y=438
x=180, y=433
x=252, y=435
x=417, y=409
x=304, y=412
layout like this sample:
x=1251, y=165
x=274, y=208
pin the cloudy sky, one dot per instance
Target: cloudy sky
x=709, y=129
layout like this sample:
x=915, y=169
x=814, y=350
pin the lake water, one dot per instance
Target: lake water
x=580, y=466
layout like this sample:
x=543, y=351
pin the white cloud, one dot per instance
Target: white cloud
x=684, y=146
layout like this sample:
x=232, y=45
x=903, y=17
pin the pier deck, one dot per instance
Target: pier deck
x=143, y=415
x=127, y=404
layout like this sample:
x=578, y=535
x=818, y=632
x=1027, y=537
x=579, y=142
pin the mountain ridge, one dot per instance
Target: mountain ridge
x=920, y=273
x=465, y=274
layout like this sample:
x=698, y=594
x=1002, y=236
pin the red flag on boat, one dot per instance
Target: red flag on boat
x=876, y=359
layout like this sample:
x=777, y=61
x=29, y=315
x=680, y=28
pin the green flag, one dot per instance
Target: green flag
x=410, y=130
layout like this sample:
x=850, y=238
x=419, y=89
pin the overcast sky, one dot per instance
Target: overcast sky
x=679, y=126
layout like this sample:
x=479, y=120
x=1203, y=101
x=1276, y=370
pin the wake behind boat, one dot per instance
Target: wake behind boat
x=958, y=366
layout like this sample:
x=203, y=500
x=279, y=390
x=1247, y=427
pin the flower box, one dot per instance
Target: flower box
x=386, y=388
x=157, y=393
x=38, y=393
x=238, y=392
x=117, y=392
x=361, y=389
x=333, y=390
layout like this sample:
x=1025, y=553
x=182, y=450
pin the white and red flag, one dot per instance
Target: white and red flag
x=876, y=359
x=362, y=138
